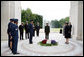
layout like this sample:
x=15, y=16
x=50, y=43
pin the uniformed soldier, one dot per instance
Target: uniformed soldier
x=37, y=29
x=47, y=31
x=15, y=37
x=9, y=33
x=31, y=31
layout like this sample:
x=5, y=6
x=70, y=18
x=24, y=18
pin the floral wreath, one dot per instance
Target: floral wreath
x=47, y=42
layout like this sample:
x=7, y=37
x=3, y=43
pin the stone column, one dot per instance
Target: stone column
x=76, y=19
x=9, y=9
x=80, y=21
x=18, y=11
x=15, y=10
x=12, y=9
x=5, y=16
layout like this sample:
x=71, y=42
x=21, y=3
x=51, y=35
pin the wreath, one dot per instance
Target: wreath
x=46, y=42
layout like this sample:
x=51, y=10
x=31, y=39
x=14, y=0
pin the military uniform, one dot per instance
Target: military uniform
x=31, y=33
x=47, y=31
x=15, y=37
x=9, y=33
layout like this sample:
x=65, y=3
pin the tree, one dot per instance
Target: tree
x=60, y=23
x=38, y=18
x=27, y=15
x=23, y=15
x=55, y=24
x=63, y=20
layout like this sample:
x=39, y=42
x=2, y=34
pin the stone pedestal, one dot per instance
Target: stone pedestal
x=9, y=9
x=76, y=19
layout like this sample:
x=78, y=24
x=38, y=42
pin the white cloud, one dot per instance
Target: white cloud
x=49, y=9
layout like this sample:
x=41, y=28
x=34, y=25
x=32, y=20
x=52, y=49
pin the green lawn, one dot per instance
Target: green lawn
x=55, y=29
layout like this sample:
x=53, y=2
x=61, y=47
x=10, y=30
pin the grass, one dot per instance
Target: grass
x=52, y=30
x=55, y=29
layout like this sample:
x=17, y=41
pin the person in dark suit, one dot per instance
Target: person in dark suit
x=31, y=31
x=60, y=31
x=15, y=37
x=21, y=28
x=47, y=31
x=70, y=27
x=37, y=28
x=26, y=30
x=66, y=32
x=9, y=33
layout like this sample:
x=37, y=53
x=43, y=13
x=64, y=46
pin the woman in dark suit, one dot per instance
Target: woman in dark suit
x=70, y=27
x=67, y=33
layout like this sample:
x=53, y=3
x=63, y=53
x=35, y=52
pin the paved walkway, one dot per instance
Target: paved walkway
x=74, y=48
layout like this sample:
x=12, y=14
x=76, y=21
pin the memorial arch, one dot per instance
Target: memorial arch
x=12, y=9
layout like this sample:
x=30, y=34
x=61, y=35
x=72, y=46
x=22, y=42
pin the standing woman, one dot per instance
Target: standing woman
x=66, y=33
x=70, y=26
x=10, y=24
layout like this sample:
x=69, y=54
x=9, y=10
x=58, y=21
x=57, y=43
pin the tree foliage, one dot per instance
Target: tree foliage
x=60, y=23
x=27, y=15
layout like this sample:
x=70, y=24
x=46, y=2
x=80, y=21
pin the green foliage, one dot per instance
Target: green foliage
x=60, y=23
x=27, y=15
x=55, y=23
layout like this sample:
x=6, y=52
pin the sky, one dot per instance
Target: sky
x=50, y=10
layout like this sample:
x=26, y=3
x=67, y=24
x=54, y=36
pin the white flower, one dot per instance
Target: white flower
x=48, y=41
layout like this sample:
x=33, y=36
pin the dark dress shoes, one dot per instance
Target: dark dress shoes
x=16, y=53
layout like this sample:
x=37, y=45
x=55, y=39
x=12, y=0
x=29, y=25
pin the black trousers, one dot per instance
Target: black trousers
x=34, y=33
x=37, y=32
x=21, y=35
x=30, y=39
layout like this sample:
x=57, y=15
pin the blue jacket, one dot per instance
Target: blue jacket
x=9, y=28
x=31, y=28
x=15, y=38
x=15, y=31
